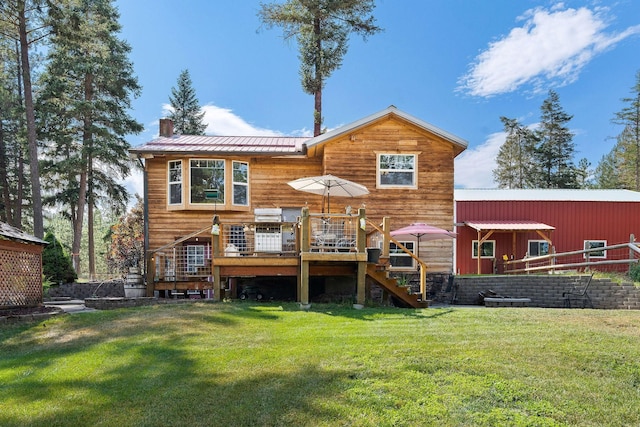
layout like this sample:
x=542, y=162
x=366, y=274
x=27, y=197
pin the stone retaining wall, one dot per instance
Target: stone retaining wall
x=546, y=290
x=87, y=290
x=123, y=302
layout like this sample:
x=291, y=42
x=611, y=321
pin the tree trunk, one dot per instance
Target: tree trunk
x=36, y=198
x=90, y=219
x=5, y=213
x=78, y=221
x=317, y=106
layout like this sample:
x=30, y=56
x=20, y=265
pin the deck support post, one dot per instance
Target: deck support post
x=215, y=269
x=303, y=287
x=362, y=265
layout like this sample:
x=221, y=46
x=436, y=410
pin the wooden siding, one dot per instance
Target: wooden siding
x=352, y=157
x=574, y=223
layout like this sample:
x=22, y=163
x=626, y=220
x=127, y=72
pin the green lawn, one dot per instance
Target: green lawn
x=247, y=364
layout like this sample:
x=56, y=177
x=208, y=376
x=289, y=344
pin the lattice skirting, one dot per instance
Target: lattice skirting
x=20, y=276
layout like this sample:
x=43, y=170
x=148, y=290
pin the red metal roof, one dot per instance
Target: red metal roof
x=180, y=144
x=508, y=225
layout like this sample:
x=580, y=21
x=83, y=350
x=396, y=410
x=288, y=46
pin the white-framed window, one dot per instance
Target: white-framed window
x=397, y=170
x=241, y=183
x=206, y=174
x=488, y=249
x=399, y=259
x=595, y=244
x=175, y=182
x=195, y=258
x=538, y=248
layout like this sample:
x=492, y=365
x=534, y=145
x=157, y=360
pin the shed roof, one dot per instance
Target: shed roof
x=570, y=195
x=202, y=144
x=8, y=232
x=509, y=225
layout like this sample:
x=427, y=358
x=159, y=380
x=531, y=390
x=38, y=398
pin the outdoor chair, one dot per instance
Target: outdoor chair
x=578, y=294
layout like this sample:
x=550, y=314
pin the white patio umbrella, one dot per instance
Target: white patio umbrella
x=329, y=185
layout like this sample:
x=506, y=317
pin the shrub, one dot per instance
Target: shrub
x=634, y=272
x=56, y=265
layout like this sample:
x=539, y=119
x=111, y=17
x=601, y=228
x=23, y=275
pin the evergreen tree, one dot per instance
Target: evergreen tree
x=56, y=264
x=186, y=115
x=85, y=102
x=21, y=21
x=515, y=157
x=555, y=149
x=607, y=173
x=628, y=145
x=322, y=29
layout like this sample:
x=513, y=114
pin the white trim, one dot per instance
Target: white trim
x=559, y=195
x=474, y=244
x=414, y=172
x=604, y=252
x=181, y=182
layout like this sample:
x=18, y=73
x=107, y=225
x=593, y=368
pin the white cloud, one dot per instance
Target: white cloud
x=474, y=167
x=551, y=47
x=222, y=121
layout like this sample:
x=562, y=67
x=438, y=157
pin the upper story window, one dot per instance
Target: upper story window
x=397, y=170
x=175, y=182
x=206, y=175
x=240, y=183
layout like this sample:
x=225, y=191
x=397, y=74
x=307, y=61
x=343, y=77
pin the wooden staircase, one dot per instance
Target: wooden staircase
x=381, y=276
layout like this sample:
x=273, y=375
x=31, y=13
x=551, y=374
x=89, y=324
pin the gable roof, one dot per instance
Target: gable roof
x=8, y=232
x=292, y=145
x=458, y=142
x=555, y=195
x=202, y=144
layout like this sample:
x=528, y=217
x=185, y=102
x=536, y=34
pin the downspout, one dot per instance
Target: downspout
x=145, y=204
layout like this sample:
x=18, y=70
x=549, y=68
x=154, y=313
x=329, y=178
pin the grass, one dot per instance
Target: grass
x=246, y=364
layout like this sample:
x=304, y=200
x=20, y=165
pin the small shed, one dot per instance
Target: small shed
x=20, y=268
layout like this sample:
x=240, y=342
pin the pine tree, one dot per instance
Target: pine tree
x=514, y=161
x=555, y=149
x=188, y=119
x=628, y=145
x=21, y=21
x=85, y=102
x=607, y=173
x=322, y=29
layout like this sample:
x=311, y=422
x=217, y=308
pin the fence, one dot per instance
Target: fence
x=603, y=258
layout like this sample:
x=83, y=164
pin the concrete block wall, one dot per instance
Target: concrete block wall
x=547, y=290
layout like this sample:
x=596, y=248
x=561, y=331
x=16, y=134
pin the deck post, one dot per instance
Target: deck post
x=216, y=252
x=362, y=265
x=149, y=274
x=303, y=280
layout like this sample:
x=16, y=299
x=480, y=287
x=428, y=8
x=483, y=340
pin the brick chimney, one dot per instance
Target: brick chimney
x=166, y=128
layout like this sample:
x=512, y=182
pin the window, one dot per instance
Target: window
x=488, y=249
x=594, y=244
x=175, y=182
x=399, y=258
x=538, y=247
x=195, y=258
x=240, y=183
x=206, y=175
x=396, y=170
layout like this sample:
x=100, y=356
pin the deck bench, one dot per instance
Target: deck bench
x=506, y=302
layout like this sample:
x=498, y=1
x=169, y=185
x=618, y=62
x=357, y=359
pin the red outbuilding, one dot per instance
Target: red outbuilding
x=512, y=224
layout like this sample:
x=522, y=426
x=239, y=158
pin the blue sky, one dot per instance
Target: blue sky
x=457, y=64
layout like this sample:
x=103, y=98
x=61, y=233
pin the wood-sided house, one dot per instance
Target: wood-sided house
x=219, y=211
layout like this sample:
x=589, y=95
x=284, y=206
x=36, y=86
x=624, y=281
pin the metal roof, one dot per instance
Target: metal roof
x=508, y=225
x=461, y=143
x=195, y=144
x=567, y=195
x=8, y=232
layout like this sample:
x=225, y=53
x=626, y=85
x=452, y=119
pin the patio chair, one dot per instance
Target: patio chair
x=578, y=294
